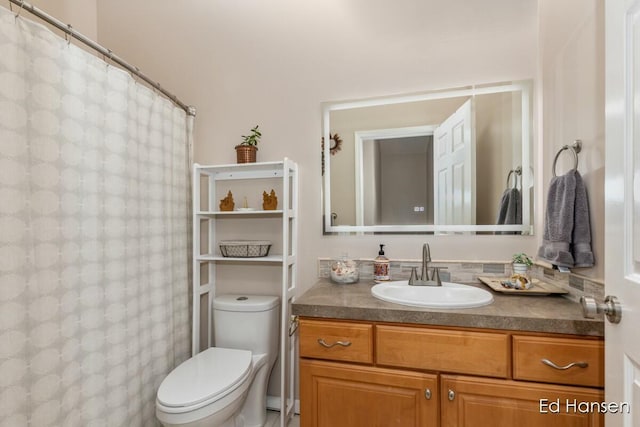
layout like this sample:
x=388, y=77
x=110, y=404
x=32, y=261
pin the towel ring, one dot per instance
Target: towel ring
x=575, y=148
x=517, y=171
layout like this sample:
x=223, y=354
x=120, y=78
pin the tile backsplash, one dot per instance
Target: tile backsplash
x=466, y=272
x=576, y=284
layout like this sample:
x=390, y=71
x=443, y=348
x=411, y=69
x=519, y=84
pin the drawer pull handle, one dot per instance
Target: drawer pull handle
x=565, y=367
x=325, y=345
x=427, y=394
x=451, y=395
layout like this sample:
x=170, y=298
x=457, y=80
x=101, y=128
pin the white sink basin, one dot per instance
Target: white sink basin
x=449, y=295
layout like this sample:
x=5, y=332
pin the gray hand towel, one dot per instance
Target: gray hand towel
x=510, y=211
x=567, y=232
x=581, y=237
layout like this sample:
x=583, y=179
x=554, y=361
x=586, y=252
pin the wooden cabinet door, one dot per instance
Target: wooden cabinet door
x=481, y=402
x=337, y=394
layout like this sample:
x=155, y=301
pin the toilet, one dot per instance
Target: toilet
x=226, y=385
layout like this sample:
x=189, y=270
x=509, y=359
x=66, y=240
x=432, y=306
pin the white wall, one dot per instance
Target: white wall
x=272, y=63
x=572, y=64
x=81, y=14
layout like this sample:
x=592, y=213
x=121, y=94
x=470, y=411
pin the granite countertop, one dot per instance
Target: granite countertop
x=551, y=314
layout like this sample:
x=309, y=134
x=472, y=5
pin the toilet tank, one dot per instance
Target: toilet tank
x=247, y=322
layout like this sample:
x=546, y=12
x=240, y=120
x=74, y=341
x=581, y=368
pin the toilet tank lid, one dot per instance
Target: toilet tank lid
x=239, y=302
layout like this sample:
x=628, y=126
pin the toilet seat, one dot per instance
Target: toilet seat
x=204, y=378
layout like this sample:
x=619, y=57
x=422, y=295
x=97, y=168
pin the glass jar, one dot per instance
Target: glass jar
x=344, y=270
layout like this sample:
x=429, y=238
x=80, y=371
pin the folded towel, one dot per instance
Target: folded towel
x=510, y=211
x=581, y=237
x=566, y=240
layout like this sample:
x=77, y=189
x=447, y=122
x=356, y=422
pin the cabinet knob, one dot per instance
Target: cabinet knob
x=451, y=395
x=323, y=343
x=427, y=394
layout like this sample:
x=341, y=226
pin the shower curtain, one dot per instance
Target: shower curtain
x=94, y=195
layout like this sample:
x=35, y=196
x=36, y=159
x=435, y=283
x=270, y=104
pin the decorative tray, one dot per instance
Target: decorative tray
x=539, y=287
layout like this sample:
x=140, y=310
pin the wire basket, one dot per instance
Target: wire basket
x=244, y=248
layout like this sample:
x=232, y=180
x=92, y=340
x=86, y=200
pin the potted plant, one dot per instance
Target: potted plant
x=521, y=263
x=246, y=151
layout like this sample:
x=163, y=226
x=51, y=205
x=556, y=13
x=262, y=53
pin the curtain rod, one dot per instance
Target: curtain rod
x=107, y=53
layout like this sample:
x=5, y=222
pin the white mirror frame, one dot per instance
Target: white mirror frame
x=525, y=228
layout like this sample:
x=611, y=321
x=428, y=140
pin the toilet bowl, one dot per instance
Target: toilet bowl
x=225, y=386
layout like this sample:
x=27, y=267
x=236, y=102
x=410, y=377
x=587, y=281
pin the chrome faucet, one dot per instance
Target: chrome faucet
x=424, y=279
x=426, y=259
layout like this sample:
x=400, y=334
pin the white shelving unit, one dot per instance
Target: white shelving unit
x=206, y=255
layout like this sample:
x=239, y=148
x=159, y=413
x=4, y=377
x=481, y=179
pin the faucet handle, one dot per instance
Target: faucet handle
x=413, y=278
x=435, y=276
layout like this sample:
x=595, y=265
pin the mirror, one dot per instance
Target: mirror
x=449, y=161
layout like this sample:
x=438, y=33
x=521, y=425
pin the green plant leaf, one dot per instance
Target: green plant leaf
x=522, y=258
x=253, y=138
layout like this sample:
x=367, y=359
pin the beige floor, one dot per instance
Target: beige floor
x=273, y=420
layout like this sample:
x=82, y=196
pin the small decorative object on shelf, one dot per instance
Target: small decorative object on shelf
x=246, y=151
x=245, y=206
x=269, y=201
x=521, y=263
x=227, y=203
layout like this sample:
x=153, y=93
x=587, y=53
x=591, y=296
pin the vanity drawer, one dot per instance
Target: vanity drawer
x=463, y=352
x=345, y=341
x=533, y=358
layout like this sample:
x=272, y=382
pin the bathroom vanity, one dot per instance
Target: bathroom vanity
x=365, y=362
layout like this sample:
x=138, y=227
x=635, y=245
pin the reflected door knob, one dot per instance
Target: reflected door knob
x=611, y=308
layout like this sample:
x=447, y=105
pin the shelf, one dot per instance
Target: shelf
x=209, y=221
x=270, y=258
x=263, y=170
x=209, y=214
x=241, y=167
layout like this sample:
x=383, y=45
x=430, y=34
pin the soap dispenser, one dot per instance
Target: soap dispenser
x=381, y=266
